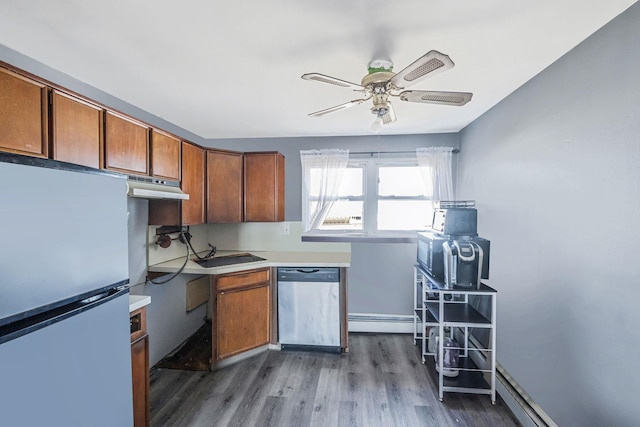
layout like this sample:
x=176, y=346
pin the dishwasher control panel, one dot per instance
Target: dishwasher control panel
x=320, y=274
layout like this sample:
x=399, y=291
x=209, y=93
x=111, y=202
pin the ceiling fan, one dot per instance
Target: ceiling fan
x=382, y=83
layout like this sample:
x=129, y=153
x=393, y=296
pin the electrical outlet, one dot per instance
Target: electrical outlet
x=187, y=236
x=285, y=228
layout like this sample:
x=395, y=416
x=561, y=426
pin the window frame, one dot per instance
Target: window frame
x=371, y=198
x=362, y=198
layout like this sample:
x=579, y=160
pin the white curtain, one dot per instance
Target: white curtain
x=328, y=167
x=435, y=166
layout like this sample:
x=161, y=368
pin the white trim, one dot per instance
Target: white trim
x=516, y=409
x=520, y=403
x=381, y=323
x=522, y=407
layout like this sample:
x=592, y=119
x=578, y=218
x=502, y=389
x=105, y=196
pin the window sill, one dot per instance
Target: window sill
x=361, y=238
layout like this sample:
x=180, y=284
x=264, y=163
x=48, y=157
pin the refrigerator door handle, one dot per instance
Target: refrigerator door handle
x=25, y=326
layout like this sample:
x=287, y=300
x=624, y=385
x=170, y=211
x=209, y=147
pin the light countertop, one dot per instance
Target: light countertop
x=272, y=259
x=138, y=301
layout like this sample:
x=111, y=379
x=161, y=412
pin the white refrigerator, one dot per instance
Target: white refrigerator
x=64, y=312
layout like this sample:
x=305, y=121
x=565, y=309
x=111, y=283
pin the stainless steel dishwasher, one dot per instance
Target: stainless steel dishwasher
x=309, y=308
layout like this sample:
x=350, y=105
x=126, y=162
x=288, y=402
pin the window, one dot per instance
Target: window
x=347, y=211
x=377, y=197
x=402, y=200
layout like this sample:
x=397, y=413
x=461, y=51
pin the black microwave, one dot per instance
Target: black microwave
x=431, y=255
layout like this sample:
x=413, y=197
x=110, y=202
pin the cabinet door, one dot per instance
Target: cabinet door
x=193, y=170
x=77, y=131
x=224, y=187
x=24, y=112
x=140, y=377
x=165, y=156
x=126, y=145
x=263, y=187
x=242, y=320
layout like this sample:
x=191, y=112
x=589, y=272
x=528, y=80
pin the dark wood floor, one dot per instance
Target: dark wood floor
x=380, y=382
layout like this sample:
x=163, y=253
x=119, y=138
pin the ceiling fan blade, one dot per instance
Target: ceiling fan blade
x=436, y=97
x=337, y=108
x=331, y=80
x=390, y=115
x=430, y=64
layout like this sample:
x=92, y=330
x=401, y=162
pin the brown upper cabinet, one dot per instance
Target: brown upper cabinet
x=76, y=130
x=224, y=187
x=24, y=113
x=165, y=156
x=126, y=145
x=193, y=170
x=264, y=187
x=184, y=212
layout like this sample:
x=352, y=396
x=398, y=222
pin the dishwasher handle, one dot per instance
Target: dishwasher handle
x=308, y=271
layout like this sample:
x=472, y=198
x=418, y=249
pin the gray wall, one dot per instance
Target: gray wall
x=168, y=322
x=555, y=169
x=381, y=274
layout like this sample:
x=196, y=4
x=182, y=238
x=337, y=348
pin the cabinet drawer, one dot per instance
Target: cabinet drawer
x=242, y=279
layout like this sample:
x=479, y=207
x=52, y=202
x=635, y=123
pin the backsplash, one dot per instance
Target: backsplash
x=268, y=236
x=247, y=236
x=177, y=249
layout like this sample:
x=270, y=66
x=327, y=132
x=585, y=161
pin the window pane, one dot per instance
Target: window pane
x=404, y=214
x=344, y=215
x=351, y=184
x=400, y=181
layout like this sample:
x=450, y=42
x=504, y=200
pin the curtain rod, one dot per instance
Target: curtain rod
x=454, y=151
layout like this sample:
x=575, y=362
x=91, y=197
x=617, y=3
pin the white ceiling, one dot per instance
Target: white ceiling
x=231, y=69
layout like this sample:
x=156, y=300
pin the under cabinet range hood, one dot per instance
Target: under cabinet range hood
x=153, y=188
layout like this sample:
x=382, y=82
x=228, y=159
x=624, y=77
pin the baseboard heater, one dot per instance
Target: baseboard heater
x=519, y=402
x=380, y=323
x=532, y=410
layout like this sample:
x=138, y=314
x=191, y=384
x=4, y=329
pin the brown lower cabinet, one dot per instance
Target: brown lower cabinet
x=140, y=367
x=241, y=312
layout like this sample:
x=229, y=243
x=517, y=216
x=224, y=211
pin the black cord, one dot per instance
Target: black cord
x=184, y=232
x=184, y=264
x=211, y=253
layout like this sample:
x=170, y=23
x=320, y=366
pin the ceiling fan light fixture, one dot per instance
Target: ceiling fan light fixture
x=381, y=111
x=376, y=126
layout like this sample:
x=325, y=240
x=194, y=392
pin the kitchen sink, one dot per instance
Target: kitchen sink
x=228, y=260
